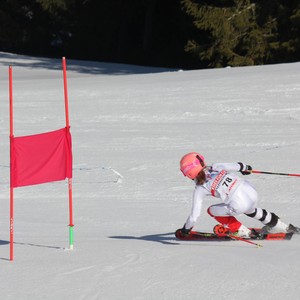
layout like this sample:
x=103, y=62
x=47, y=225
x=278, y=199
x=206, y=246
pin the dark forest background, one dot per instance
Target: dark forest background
x=166, y=33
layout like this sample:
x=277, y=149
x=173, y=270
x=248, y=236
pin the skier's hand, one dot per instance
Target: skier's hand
x=184, y=231
x=245, y=169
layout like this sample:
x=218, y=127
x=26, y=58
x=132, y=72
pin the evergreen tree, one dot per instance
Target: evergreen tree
x=32, y=27
x=285, y=44
x=229, y=33
x=152, y=32
x=295, y=33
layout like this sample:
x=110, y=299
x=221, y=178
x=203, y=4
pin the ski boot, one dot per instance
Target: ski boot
x=292, y=228
x=243, y=232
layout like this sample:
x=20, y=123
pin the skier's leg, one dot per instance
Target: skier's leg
x=271, y=220
x=264, y=216
x=244, y=199
x=223, y=214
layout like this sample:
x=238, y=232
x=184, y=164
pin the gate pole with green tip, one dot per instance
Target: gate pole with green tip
x=71, y=224
x=11, y=135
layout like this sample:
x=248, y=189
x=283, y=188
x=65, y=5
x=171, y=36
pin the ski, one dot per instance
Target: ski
x=260, y=233
x=206, y=236
x=202, y=236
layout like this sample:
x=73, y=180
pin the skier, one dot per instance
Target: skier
x=238, y=197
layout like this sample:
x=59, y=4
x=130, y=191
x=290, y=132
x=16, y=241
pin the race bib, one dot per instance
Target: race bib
x=223, y=183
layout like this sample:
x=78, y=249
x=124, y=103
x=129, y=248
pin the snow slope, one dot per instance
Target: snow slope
x=130, y=127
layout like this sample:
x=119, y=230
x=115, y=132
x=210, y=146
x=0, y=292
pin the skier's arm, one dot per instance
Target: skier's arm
x=198, y=196
x=233, y=167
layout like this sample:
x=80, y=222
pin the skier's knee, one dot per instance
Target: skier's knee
x=209, y=212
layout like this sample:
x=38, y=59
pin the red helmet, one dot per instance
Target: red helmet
x=191, y=164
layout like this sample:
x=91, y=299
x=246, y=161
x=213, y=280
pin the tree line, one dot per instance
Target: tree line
x=166, y=33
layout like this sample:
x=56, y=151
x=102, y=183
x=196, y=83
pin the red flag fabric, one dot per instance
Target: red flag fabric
x=41, y=158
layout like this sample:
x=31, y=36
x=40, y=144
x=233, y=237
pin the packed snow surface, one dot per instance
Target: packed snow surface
x=130, y=126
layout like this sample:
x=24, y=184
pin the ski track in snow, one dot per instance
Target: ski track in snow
x=130, y=126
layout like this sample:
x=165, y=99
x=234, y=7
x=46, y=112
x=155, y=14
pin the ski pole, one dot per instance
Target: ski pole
x=273, y=173
x=245, y=240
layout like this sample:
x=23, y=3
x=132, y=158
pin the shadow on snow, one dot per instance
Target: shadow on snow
x=163, y=238
x=79, y=66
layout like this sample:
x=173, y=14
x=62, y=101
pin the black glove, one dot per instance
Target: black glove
x=184, y=231
x=245, y=169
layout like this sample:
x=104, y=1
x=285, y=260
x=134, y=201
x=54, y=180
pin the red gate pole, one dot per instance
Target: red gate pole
x=70, y=187
x=11, y=136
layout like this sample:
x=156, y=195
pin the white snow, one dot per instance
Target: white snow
x=130, y=127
